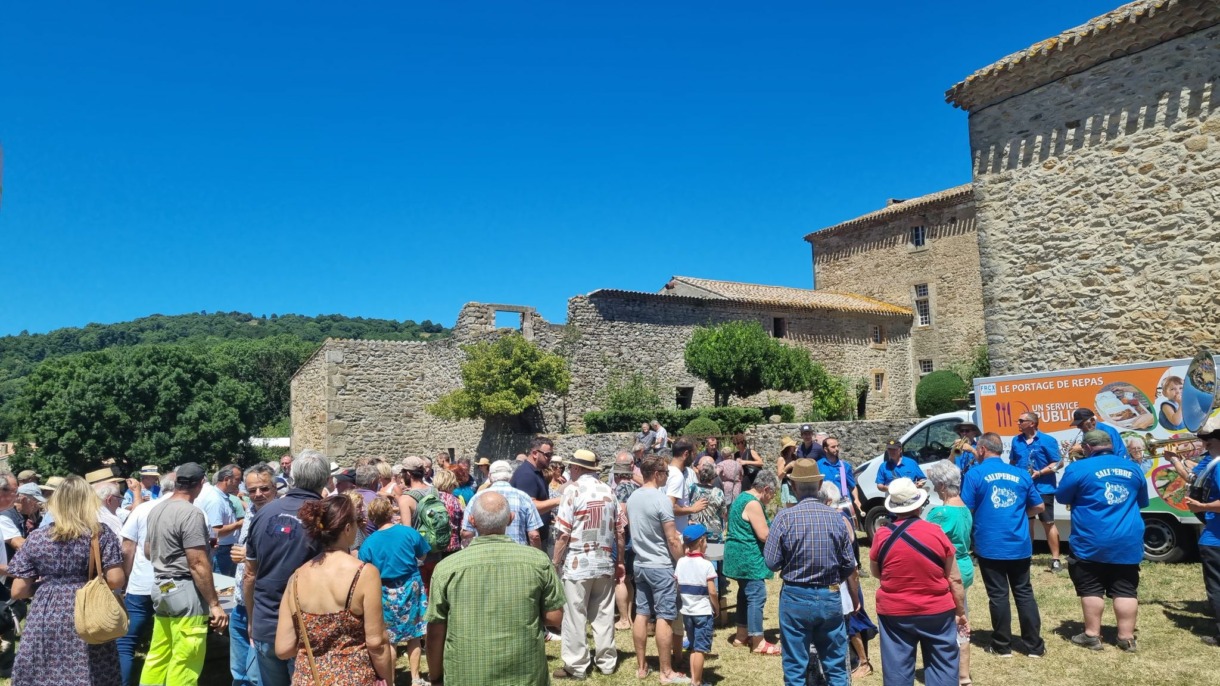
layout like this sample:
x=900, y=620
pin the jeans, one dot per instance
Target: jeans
x=243, y=662
x=222, y=562
x=812, y=616
x=1210, y=555
x=139, y=627
x=935, y=636
x=751, y=598
x=272, y=671
x=998, y=577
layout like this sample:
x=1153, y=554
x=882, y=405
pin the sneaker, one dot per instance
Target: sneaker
x=1128, y=645
x=551, y=636
x=1213, y=641
x=1038, y=655
x=1056, y=566
x=1086, y=641
x=998, y=653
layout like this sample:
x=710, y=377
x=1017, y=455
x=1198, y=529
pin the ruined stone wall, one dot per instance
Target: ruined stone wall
x=859, y=441
x=878, y=260
x=1098, y=201
x=648, y=334
x=308, y=408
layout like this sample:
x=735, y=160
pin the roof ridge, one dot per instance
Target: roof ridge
x=899, y=209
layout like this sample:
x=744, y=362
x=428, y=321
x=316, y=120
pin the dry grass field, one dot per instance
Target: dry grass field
x=1172, y=616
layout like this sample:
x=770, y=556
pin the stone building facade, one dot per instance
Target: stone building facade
x=1096, y=158
x=920, y=253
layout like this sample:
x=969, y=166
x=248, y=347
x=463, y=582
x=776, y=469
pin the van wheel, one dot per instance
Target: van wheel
x=876, y=518
x=1163, y=540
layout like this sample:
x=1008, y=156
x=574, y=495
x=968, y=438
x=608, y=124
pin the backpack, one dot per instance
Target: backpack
x=432, y=520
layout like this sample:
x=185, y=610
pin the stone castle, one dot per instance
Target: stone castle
x=1086, y=237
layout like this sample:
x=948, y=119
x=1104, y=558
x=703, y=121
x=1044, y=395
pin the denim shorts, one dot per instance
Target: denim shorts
x=699, y=632
x=656, y=593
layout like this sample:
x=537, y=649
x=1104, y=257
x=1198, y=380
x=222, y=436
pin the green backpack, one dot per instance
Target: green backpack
x=432, y=520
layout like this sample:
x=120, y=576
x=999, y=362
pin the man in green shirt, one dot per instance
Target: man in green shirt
x=500, y=641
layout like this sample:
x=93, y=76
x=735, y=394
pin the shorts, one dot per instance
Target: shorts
x=1047, y=515
x=699, y=631
x=656, y=593
x=1094, y=579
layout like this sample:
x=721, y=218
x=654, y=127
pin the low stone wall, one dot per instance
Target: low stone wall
x=861, y=441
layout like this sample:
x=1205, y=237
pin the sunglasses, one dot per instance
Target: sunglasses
x=261, y=489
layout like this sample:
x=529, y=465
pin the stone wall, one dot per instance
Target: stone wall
x=877, y=259
x=1098, y=201
x=309, y=407
x=859, y=441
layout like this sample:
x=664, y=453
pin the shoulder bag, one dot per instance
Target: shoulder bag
x=100, y=618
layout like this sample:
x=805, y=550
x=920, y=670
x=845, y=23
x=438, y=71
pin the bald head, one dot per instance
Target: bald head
x=489, y=514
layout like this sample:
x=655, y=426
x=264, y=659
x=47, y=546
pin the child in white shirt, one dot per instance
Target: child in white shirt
x=696, y=578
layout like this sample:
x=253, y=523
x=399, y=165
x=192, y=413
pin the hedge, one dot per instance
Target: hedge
x=937, y=391
x=730, y=419
x=701, y=427
x=787, y=413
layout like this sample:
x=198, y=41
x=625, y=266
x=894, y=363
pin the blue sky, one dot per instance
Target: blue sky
x=400, y=159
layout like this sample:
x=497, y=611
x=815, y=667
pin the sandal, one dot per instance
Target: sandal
x=765, y=648
x=676, y=678
x=964, y=681
x=644, y=674
x=865, y=669
x=738, y=644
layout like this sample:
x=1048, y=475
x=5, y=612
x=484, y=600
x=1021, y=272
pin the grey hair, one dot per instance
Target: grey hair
x=489, y=513
x=802, y=490
x=261, y=470
x=1135, y=443
x=992, y=443
x=829, y=493
x=624, y=453
x=945, y=476
x=638, y=448
x=767, y=479
x=106, y=490
x=366, y=476
x=310, y=471
x=655, y=424
x=168, y=482
x=225, y=471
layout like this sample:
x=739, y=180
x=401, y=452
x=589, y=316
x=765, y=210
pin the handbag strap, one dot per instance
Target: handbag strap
x=296, y=612
x=95, y=556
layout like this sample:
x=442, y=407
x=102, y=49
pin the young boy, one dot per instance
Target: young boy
x=700, y=605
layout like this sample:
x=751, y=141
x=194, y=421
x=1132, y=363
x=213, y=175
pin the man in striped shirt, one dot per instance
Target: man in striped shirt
x=809, y=544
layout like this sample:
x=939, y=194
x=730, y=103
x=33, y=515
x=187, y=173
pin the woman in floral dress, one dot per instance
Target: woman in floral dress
x=397, y=550
x=51, y=566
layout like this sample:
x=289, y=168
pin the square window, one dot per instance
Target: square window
x=876, y=334
x=683, y=396
x=919, y=236
x=879, y=381
x=779, y=327
x=921, y=290
x=925, y=366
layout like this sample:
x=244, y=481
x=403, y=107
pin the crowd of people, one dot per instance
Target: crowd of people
x=325, y=574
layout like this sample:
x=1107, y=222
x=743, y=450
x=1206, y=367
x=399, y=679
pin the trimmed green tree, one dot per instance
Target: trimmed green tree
x=502, y=379
x=740, y=359
x=936, y=392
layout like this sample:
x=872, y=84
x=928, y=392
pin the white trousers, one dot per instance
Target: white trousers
x=589, y=601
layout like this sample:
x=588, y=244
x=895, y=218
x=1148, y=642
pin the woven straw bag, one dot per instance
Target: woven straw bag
x=100, y=617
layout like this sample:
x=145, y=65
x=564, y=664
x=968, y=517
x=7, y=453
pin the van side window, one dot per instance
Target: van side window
x=932, y=442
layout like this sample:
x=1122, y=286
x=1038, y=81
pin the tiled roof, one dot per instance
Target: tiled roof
x=1129, y=29
x=774, y=296
x=949, y=196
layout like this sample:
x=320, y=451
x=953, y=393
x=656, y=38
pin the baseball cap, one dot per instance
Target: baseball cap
x=33, y=491
x=693, y=532
x=190, y=473
x=150, y=470
x=502, y=469
x=1096, y=437
x=806, y=427
x=893, y=443
x=28, y=474
x=348, y=475
x=1081, y=414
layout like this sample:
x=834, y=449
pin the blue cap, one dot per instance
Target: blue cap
x=693, y=532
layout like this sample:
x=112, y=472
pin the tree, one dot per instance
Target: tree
x=630, y=392
x=269, y=364
x=502, y=379
x=160, y=405
x=739, y=358
x=937, y=392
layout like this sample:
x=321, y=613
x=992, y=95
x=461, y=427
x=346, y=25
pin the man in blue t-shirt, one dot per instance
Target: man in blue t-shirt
x=896, y=465
x=1038, y=454
x=1000, y=497
x=1086, y=419
x=1209, y=542
x=1105, y=493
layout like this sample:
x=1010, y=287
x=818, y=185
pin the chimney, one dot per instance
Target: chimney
x=893, y=201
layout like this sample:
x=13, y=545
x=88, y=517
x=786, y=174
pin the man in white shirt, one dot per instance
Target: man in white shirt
x=107, y=514
x=678, y=484
x=139, y=579
x=221, y=520
x=662, y=439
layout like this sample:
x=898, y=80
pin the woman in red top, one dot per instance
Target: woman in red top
x=921, y=592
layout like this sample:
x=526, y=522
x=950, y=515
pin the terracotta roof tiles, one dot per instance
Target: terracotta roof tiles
x=772, y=296
x=949, y=196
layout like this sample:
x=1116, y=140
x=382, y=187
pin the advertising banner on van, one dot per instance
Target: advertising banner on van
x=1143, y=402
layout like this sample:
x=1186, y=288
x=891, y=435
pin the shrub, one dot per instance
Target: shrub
x=787, y=413
x=730, y=419
x=701, y=427
x=630, y=392
x=937, y=391
x=734, y=419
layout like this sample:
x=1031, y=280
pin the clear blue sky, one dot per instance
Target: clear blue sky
x=397, y=159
